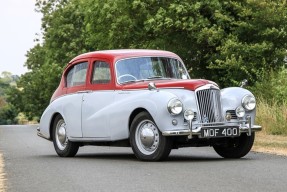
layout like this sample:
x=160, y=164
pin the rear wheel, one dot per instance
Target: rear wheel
x=235, y=147
x=146, y=140
x=63, y=147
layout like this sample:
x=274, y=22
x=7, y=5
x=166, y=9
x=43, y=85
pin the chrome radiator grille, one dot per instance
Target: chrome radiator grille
x=209, y=105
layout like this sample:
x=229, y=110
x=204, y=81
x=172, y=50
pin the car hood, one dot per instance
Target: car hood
x=190, y=84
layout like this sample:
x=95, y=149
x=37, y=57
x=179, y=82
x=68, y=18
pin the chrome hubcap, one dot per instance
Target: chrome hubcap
x=147, y=137
x=61, y=136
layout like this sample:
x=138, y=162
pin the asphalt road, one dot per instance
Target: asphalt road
x=31, y=164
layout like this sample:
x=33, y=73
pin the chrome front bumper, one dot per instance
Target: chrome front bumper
x=245, y=127
x=197, y=131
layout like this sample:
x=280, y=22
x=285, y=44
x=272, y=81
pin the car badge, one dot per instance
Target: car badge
x=205, y=119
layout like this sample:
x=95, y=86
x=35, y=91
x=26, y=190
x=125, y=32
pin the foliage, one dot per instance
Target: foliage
x=7, y=115
x=214, y=38
x=6, y=79
x=224, y=41
x=7, y=111
x=273, y=89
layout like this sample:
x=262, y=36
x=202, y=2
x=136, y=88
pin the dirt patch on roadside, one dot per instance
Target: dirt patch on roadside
x=273, y=144
x=2, y=175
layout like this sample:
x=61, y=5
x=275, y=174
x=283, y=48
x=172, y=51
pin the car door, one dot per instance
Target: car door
x=97, y=104
x=75, y=85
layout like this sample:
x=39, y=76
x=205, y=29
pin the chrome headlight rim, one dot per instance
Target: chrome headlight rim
x=175, y=106
x=249, y=102
x=240, y=112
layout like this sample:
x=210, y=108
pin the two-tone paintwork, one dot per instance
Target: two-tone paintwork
x=104, y=112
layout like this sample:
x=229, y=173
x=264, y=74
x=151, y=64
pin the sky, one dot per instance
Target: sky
x=19, y=24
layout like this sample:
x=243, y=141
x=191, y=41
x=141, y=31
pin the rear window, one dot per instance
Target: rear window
x=77, y=75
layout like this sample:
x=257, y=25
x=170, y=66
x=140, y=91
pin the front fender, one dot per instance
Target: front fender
x=232, y=97
x=155, y=102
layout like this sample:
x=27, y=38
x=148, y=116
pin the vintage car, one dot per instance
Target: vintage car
x=145, y=99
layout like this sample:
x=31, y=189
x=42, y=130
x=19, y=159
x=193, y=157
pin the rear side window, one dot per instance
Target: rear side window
x=101, y=73
x=77, y=75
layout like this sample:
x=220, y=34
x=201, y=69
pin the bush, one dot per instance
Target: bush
x=7, y=115
x=273, y=87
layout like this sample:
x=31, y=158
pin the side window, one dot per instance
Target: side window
x=69, y=78
x=101, y=73
x=77, y=75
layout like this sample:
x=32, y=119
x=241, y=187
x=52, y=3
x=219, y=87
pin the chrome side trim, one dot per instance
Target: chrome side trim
x=89, y=139
x=158, y=89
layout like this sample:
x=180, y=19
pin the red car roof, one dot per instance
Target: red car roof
x=124, y=53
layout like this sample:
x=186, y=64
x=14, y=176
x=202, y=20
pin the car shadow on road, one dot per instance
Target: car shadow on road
x=107, y=156
x=171, y=158
x=191, y=158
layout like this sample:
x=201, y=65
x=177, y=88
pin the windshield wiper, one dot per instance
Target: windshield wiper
x=132, y=81
x=157, y=77
x=141, y=80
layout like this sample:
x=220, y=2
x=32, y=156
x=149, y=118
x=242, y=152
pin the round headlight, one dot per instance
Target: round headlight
x=188, y=114
x=249, y=102
x=240, y=112
x=174, y=106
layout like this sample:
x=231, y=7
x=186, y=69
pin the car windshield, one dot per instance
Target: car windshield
x=147, y=68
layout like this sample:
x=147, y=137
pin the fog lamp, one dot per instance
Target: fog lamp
x=188, y=114
x=240, y=112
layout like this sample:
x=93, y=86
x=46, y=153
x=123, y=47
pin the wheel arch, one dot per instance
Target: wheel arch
x=135, y=113
x=52, y=123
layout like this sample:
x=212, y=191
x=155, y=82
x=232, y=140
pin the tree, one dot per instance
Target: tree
x=224, y=41
x=7, y=111
x=6, y=78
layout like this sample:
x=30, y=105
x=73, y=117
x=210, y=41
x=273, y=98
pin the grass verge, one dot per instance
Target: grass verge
x=273, y=144
x=272, y=116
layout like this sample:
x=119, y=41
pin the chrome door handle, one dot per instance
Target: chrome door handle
x=85, y=91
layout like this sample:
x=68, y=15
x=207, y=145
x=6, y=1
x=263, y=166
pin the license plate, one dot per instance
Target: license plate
x=220, y=132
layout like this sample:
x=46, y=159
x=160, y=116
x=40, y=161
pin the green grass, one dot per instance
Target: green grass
x=272, y=117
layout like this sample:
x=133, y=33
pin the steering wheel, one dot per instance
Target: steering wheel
x=128, y=76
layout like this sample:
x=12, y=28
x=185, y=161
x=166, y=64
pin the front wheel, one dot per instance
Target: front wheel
x=146, y=140
x=235, y=147
x=63, y=146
